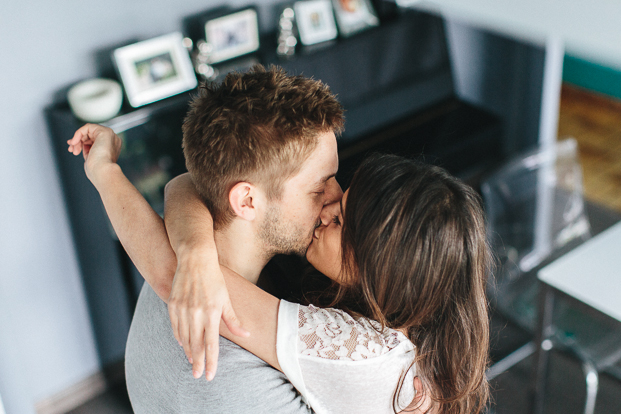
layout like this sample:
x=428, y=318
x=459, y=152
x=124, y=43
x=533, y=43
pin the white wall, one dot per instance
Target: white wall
x=589, y=29
x=46, y=340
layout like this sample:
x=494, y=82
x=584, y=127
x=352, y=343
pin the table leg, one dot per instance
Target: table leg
x=544, y=345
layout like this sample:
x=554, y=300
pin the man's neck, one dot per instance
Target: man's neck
x=239, y=251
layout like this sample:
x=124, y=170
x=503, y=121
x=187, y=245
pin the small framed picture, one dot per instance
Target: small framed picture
x=232, y=35
x=315, y=21
x=155, y=69
x=354, y=16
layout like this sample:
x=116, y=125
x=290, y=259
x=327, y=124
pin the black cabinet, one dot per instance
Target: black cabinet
x=395, y=83
x=150, y=157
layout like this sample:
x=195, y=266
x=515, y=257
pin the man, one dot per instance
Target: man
x=261, y=152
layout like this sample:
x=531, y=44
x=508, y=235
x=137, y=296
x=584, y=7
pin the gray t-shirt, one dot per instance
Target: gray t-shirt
x=159, y=377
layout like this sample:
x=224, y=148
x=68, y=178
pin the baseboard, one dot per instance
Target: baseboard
x=76, y=395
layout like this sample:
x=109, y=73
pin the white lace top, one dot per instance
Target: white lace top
x=341, y=364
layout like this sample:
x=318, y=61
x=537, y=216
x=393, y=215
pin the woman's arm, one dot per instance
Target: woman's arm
x=199, y=297
x=204, y=294
x=139, y=228
x=142, y=233
x=258, y=312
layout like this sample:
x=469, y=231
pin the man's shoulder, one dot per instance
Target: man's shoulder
x=159, y=377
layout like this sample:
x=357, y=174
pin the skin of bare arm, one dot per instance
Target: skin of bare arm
x=199, y=297
x=143, y=234
x=129, y=212
x=258, y=312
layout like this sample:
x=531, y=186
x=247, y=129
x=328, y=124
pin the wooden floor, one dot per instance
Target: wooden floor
x=595, y=122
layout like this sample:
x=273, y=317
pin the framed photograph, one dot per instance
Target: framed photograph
x=155, y=69
x=232, y=35
x=315, y=21
x=354, y=16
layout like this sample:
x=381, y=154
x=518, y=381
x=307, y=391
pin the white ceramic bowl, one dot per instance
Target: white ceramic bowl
x=95, y=100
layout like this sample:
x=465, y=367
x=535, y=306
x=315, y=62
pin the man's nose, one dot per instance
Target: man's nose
x=329, y=211
x=333, y=192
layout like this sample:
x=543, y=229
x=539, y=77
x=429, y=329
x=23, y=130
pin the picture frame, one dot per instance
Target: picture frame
x=315, y=21
x=354, y=16
x=155, y=69
x=232, y=33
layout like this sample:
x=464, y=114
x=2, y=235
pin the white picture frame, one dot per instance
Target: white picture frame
x=354, y=16
x=315, y=21
x=233, y=35
x=155, y=69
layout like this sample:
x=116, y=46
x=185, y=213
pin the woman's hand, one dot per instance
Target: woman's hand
x=99, y=145
x=198, y=300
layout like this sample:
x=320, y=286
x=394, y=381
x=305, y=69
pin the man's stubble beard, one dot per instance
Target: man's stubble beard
x=282, y=237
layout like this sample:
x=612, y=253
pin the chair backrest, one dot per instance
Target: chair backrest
x=534, y=206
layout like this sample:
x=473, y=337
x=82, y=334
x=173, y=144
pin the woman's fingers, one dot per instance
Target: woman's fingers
x=197, y=344
x=174, y=322
x=198, y=331
x=198, y=302
x=212, y=342
x=75, y=143
x=232, y=323
x=84, y=138
x=184, y=335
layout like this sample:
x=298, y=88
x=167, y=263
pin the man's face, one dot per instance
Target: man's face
x=289, y=223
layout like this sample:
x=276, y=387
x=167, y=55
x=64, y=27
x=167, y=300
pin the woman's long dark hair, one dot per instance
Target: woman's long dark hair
x=414, y=248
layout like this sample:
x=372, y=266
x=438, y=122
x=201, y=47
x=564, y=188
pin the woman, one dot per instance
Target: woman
x=411, y=242
x=408, y=329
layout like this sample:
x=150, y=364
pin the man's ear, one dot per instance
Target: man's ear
x=242, y=200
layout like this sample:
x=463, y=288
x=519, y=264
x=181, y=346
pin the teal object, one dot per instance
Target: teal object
x=592, y=76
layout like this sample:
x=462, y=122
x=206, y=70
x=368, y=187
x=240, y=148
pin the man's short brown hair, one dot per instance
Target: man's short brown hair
x=258, y=127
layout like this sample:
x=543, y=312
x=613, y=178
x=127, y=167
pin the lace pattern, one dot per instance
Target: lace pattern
x=334, y=334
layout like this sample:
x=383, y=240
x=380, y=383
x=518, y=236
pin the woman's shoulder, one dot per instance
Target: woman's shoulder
x=342, y=363
x=334, y=334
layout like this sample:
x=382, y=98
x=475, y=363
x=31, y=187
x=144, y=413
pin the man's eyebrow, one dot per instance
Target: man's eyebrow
x=320, y=183
x=326, y=178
